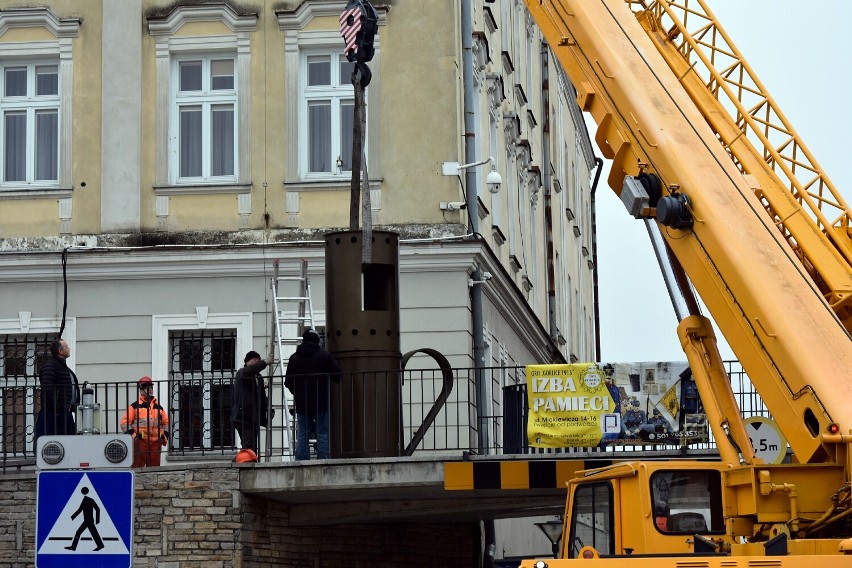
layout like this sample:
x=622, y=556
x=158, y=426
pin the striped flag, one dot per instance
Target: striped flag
x=350, y=25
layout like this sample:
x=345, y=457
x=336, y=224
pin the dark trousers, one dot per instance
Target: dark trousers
x=249, y=434
x=60, y=423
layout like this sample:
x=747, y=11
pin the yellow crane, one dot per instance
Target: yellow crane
x=744, y=213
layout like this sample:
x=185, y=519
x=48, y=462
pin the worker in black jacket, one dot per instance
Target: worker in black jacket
x=249, y=400
x=310, y=371
x=60, y=393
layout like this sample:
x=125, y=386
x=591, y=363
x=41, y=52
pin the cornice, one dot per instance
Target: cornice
x=306, y=11
x=183, y=15
x=39, y=17
x=166, y=262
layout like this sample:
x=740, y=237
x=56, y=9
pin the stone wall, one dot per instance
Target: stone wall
x=195, y=516
x=17, y=519
x=187, y=516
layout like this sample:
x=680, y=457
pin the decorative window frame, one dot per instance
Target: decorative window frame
x=167, y=46
x=293, y=24
x=26, y=324
x=65, y=30
x=161, y=325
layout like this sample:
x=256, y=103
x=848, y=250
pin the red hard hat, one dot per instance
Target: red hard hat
x=145, y=381
x=246, y=456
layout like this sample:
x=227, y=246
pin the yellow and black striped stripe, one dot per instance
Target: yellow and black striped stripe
x=518, y=474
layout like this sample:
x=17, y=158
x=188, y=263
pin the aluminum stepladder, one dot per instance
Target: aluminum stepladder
x=293, y=314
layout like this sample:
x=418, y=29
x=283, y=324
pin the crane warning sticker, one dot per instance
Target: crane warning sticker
x=590, y=404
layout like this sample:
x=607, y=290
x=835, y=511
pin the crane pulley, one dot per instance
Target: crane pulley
x=358, y=26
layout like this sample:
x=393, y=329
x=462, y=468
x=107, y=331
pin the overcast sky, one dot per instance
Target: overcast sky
x=802, y=52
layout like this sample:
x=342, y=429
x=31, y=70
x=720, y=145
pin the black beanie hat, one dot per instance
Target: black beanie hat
x=311, y=335
x=251, y=355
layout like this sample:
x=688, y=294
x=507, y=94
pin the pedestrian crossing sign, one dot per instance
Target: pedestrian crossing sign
x=84, y=518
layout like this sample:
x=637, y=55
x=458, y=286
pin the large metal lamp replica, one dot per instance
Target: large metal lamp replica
x=362, y=331
x=362, y=292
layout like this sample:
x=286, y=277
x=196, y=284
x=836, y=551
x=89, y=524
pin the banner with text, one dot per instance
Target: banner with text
x=596, y=404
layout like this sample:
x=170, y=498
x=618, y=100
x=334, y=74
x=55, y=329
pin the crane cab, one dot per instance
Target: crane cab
x=642, y=508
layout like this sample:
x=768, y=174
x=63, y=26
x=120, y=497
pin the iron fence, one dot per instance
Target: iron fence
x=372, y=414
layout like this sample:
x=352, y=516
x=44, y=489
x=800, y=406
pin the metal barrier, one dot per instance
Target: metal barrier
x=200, y=427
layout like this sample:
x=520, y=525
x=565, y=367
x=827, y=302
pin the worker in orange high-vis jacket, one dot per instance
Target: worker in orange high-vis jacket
x=148, y=423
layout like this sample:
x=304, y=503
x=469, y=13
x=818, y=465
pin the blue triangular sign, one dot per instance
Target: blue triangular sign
x=84, y=518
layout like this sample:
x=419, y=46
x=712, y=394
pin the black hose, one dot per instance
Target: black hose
x=64, y=289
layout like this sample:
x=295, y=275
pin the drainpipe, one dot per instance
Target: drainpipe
x=598, y=168
x=473, y=216
x=476, y=289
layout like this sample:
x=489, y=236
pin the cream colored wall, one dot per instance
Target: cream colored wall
x=28, y=34
x=422, y=118
x=32, y=218
x=149, y=125
x=267, y=125
x=217, y=213
x=86, y=111
x=40, y=217
x=420, y=122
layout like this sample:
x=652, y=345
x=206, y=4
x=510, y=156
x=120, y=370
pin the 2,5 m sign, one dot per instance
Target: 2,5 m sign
x=766, y=439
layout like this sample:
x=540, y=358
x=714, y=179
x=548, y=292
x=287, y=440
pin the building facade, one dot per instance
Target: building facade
x=168, y=151
x=158, y=156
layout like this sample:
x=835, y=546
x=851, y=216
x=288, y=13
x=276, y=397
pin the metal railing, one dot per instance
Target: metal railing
x=384, y=412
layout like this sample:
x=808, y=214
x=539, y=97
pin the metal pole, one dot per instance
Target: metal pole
x=476, y=290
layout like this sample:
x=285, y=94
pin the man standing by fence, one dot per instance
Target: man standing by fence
x=249, y=401
x=309, y=372
x=148, y=423
x=59, y=393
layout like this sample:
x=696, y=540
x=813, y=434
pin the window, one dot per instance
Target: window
x=204, y=89
x=319, y=99
x=202, y=369
x=591, y=519
x=204, y=144
x=30, y=106
x=328, y=114
x=687, y=501
x=21, y=358
x=35, y=104
x=198, y=353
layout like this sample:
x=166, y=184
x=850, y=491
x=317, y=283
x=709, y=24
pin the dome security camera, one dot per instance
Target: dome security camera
x=493, y=181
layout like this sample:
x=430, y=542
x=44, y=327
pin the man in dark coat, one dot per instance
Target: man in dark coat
x=60, y=393
x=634, y=419
x=249, y=401
x=309, y=374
